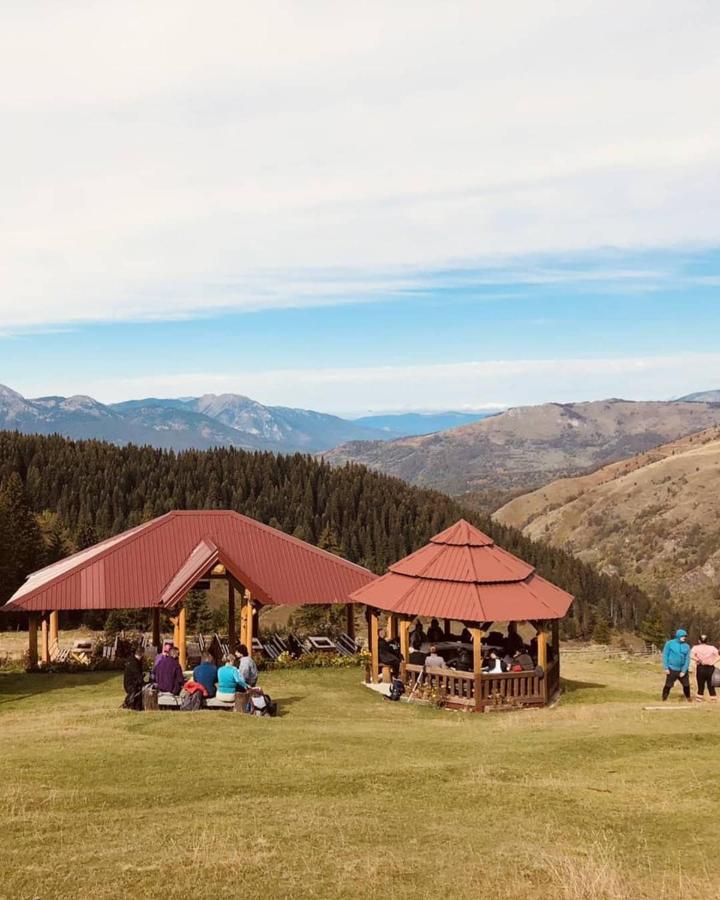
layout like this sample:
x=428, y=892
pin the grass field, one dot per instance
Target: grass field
x=346, y=795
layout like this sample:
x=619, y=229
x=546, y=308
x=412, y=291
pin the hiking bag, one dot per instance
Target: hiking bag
x=260, y=705
x=397, y=689
x=191, y=701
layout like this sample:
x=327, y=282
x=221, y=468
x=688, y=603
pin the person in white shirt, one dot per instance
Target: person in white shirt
x=494, y=665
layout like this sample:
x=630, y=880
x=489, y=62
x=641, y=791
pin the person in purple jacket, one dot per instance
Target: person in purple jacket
x=167, y=673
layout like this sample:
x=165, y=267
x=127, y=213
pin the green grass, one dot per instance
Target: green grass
x=346, y=795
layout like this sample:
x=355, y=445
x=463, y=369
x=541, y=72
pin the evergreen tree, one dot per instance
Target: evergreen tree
x=22, y=543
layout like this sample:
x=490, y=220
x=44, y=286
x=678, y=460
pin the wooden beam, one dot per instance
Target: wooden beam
x=374, y=654
x=45, y=640
x=404, y=640
x=54, y=626
x=33, y=640
x=156, y=629
x=477, y=636
x=542, y=656
x=249, y=624
x=232, y=625
x=350, y=620
x=182, y=636
x=392, y=627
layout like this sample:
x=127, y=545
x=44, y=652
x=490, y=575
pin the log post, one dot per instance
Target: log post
x=176, y=635
x=542, y=656
x=350, y=620
x=249, y=624
x=232, y=629
x=45, y=640
x=374, y=654
x=182, y=636
x=404, y=643
x=156, y=629
x=33, y=640
x=477, y=636
x=54, y=632
x=392, y=627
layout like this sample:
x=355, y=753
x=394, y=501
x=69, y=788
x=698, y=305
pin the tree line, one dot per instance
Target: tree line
x=58, y=496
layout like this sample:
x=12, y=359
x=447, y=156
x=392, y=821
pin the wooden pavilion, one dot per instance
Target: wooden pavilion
x=156, y=564
x=462, y=576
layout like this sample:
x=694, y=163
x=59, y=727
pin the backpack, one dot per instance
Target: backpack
x=260, y=705
x=397, y=689
x=190, y=701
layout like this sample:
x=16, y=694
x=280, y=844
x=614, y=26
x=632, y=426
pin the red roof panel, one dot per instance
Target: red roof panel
x=151, y=565
x=462, y=575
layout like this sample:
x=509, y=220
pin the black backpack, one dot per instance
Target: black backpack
x=397, y=689
x=260, y=705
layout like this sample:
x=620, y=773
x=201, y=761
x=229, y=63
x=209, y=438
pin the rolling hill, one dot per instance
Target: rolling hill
x=653, y=519
x=528, y=446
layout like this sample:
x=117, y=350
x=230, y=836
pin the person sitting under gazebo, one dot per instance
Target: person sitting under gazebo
x=387, y=655
x=435, y=632
x=434, y=660
x=417, y=635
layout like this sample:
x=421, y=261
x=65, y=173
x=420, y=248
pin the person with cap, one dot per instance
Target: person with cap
x=676, y=662
x=705, y=656
x=167, y=673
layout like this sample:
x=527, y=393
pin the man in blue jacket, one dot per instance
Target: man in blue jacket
x=676, y=662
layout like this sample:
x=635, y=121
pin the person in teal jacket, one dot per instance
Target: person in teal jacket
x=676, y=662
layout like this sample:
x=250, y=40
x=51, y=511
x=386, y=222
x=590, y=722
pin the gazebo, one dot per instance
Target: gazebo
x=156, y=564
x=463, y=576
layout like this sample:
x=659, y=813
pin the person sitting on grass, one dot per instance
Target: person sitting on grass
x=133, y=680
x=229, y=680
x=435, y=632
x=206, y=674
x=676, y=662
x=246, y=665
x=704, y=655
x=166, y=673
x=434, y=660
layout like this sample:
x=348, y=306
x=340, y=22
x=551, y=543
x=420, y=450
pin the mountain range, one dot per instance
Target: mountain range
x=652, y=519
x=228, y=420
x=522, y=448
x=225, y=420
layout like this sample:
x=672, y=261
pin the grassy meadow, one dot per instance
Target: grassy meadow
x=345, y=795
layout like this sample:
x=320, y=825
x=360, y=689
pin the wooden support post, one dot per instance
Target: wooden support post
x=54, y=629
x=374, y=654
x=176, y=633
x=477, y=636
x=182, y=636
x=232, y=629
x=392, y=627
x=45, y=640
x=249, y=624
x=542, y=656
x=350, y=620
x=33, y=640
x=156, y=629
x=404, y=642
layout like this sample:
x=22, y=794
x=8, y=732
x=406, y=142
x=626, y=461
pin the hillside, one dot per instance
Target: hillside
x=653, y=519
x=703, y=397
x=94, y=490
x=528, y=446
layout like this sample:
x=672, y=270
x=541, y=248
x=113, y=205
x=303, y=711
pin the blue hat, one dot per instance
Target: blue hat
x=680, y=633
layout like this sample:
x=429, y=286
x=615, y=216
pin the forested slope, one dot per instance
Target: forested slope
x=82, y=491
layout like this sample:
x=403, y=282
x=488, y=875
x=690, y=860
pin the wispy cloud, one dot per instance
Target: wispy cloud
x=490, y=384
x=164, y=163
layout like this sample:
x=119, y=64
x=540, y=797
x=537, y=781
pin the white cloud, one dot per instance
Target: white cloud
x=464, y=385
x=173, y=158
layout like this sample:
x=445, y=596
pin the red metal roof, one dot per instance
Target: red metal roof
x=156, y=563
x=461, y=574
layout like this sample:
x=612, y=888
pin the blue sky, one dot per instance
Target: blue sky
x=350, y=208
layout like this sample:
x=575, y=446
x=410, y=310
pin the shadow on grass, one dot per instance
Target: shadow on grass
x=569, y=686
x=18, y=686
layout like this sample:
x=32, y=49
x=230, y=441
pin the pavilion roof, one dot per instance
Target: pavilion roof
x=156, y=563
x=463, y=575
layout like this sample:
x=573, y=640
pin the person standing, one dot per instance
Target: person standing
x=133, y=680
x=704, y=655
x=676, y=662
